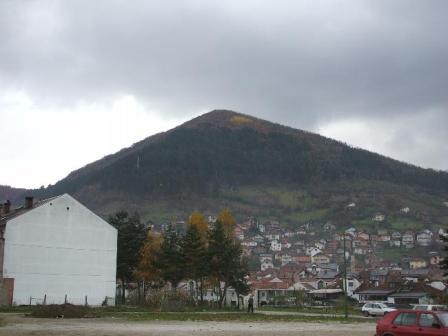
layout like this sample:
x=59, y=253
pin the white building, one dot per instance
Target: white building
x=276, y=246
x=57, y=251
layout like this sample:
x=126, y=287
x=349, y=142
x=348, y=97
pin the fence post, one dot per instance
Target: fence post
x=45, y=299
x=30, y=300
x=85, y=300
x=65, y=299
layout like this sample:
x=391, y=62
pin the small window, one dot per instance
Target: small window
x=350, y=283
x=406, y=319
x=426, y=320
x=420, y=307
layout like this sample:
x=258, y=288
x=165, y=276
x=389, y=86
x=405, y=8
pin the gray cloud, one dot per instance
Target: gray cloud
x=300, y=63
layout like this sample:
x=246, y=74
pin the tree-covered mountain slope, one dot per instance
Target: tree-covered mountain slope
x=256, y=168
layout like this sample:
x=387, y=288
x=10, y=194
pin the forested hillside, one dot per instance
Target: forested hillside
x=257, y=168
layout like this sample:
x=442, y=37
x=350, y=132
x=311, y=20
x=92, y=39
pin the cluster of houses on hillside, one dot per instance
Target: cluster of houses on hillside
x=300, y=259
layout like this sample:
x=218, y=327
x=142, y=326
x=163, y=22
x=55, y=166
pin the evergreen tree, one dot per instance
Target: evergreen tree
x=131, y=235
x=170, y=259
x=225, y=260
x=195, y=257
x=239, y=281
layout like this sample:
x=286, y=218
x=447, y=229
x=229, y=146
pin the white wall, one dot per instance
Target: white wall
x=60, y=248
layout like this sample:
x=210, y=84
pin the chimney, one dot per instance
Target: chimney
x=29, y=202
x=7, y=207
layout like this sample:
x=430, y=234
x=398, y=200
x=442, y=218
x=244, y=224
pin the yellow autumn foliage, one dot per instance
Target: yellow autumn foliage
x=239, y=120
x=145, y=269
x=228, y=221
x=197, y=219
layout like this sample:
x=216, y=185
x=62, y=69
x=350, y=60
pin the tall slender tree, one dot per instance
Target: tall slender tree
x=225, y=260
x=195, y=257
x=131, y=235
x=170, y=258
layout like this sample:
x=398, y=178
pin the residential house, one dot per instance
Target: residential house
x=249, y=243
x=407, y=239
x=416, y=275
x=238, y=232
x=265, y=257
x=270, y=291
x=353, y=283
x=326, y=277
x=373, y=294
x=329, y=227
x=258, y=238
x=276, y=246
x=424, y=238
x=405, y=210
x=302, y=259
x=320, y=258
x=379, y=217
x=312, y=251
x=266, y=264
x=417, y=263
x=286, y=259
x=435, y=260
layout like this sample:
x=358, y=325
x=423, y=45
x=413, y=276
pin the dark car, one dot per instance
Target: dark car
x=413, y=323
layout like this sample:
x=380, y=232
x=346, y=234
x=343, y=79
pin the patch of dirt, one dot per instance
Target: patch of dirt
x=24, y=326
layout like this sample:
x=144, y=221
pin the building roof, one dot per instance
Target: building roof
x=409, y=295
x=375, y=292
x=4, y=218
x=326, y=291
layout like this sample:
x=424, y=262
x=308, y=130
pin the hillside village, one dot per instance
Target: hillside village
x=399, y=267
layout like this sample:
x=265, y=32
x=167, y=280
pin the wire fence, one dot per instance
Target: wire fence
x=85, y=300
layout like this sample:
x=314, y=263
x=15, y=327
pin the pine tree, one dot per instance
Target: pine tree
x=170, y=258
x=131, y=235
x=195, y=257
x=225, y=261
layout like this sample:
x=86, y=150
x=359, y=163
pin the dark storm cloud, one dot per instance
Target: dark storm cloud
x=301, y=63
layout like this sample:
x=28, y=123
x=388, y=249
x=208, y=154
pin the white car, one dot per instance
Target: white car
x=430, y=307
x=376, y=309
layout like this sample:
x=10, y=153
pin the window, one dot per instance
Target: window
x=350, y=283
x=426, y=320
x=420, y=307
x=406, y=319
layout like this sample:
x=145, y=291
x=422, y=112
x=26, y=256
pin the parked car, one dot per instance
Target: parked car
x=430, y=307
x=376, y=309
x=413, y=322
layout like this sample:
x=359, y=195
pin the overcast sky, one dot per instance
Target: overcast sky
x=82, y=79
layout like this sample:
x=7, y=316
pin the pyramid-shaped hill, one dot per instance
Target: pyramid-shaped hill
x=254, y=167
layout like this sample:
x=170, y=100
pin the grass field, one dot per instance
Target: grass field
x=222, y=317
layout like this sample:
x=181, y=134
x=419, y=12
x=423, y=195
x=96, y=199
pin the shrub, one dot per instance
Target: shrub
x=62, y=311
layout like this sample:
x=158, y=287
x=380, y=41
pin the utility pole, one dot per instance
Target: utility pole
x=345, y=281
